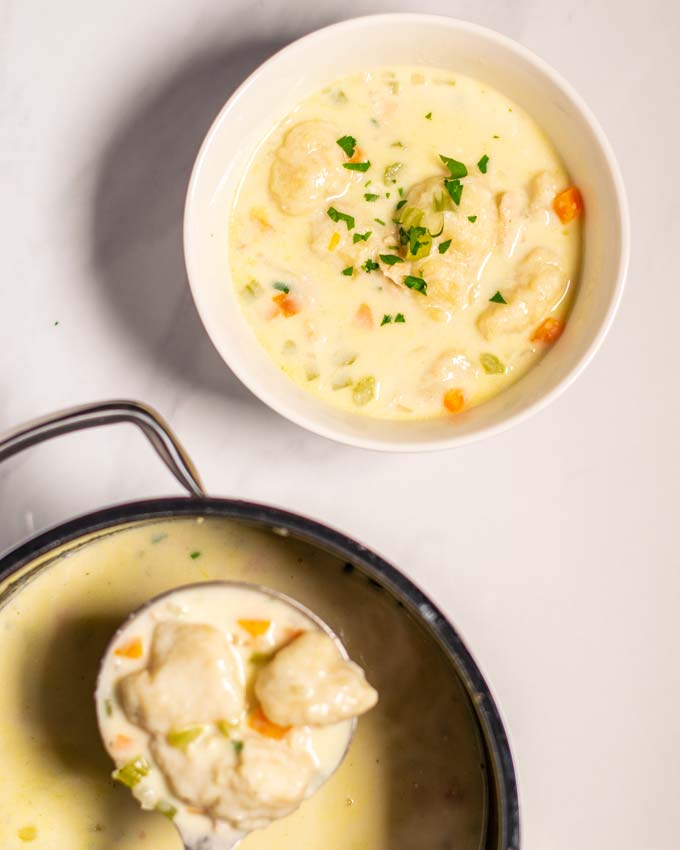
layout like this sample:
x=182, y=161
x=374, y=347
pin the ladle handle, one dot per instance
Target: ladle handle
x=152, y=425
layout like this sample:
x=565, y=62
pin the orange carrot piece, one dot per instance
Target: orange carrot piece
x=357, y=156
x=568, y=204
x=548, y=331
x=121, y=741
x=255, y=628
x=287, y=304
x=259, y=721
x=364, y=317
x=454, y=401
x=131, y=649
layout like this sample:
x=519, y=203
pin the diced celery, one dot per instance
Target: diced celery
x=133, y=772
x=166, y=809
x=410, y=217
x=442, y=201
x=181, y=738
x=251, y=290
x=391, y=171
x=344, y=358
x=364, y=390
x=491, y=364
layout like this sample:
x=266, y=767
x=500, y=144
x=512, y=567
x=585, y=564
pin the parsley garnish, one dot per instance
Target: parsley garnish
x=335, y=215
x=386, y=319
x=429, y=116
x=496, y=137
x=444, y=246
x=416, y=283
x=401, y=191
x=195, y=555
x=379, y=221
x=282, y=287
x=390, y=259
x=456, y=169
x=348, y=272
x=357, y=166
x=472, y=218
x=498, y=298
x=397, y=145
x=401, y=203
x=370, y=265
x=369, y=196
x=347, y=143
x=483, y=162
x=455, y=189
x=237, y=745
x=399, y=319
x=361, y=237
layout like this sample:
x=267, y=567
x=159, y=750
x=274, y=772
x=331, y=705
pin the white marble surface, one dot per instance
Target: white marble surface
x=553, y=547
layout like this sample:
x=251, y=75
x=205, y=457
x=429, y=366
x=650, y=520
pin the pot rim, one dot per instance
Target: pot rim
x=344, y=547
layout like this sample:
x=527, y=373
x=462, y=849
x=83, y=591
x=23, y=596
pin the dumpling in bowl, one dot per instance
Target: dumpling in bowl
x=307, y=170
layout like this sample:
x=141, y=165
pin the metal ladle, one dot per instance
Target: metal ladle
x=222, y=836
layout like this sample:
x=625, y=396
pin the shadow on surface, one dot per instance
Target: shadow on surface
x=138, y=208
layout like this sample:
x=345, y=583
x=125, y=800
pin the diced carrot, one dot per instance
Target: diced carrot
x=454, y=401
x=548, y=331
x=255, y=628
x=333, y=241
x=568, y=204
x=364, y=317
x=287, y=304
x=121, y=741
x=357, y=156
x=259, y=721
x=131, y=649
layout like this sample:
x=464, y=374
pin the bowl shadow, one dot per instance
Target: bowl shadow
x=136, y=235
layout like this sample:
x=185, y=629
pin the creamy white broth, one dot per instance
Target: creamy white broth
x=414, y=774
x=453, y=337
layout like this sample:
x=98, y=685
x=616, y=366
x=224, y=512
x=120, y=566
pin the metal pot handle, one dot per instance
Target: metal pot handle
x=152, y=425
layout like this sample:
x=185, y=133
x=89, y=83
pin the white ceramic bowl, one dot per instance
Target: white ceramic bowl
x=309, y=64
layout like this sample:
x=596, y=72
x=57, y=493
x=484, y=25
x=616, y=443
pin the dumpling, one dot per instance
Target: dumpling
x=307, y=168
x=541, y=285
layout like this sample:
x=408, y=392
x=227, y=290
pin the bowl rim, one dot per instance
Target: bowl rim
x=87, y=528
x=288, y=409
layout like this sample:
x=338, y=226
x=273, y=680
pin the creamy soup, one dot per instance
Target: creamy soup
x=414, y=776
x=224, y=707
x=405, y=243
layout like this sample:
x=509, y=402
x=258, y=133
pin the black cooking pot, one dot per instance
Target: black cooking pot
x=20, y=564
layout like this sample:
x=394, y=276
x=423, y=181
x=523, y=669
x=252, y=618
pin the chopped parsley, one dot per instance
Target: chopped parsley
x=390, y=259
x=401, y=203
x=282, y=287
x=237, y=745
x=496, y=137
x=361, y=237
x=195, y=555
x=444, y=246
x=386, y=319
x=379, y=221
x=399, y=319
x=416, y=283
x=335, y=215
x=357, y=166
x=472, y=218
x=429, y=116
x=370, y=266
x=498, y=298
x=347, y=143
x=369, y=196
x=401, y=191
x=455, y=189
x=348, y=272
x=456, y=169
x=483, y=162
x=397, y=145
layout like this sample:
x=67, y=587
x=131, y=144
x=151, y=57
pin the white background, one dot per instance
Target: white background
x=553, y=547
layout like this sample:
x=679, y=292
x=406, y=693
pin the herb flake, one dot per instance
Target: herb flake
x=386, y=319
x=357, y=166
x=416, y=283
x=390, y=259
x=370, y=197
x=399, y=319
x=482, y=164
x=336, y=215
x=443, y=247
x=370, y=266
x=472, y=218
x=348, y=144
x=498, y=298
x=455, y=189
x=361, y=237
x=348, y=272
x=429, y=116
x=456, y=169
x=282, y=287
